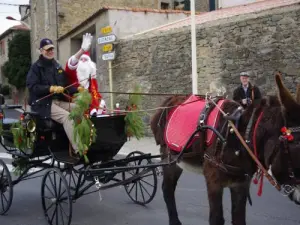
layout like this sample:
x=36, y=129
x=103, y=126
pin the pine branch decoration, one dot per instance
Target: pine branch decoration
x=84, y=130
x=134, y=122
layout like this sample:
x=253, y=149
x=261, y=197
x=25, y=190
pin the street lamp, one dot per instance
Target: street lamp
x=22, y=22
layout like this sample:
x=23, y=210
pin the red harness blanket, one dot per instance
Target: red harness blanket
x=183, y=122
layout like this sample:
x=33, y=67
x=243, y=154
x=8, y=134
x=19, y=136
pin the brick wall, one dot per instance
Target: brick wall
x=260, y=43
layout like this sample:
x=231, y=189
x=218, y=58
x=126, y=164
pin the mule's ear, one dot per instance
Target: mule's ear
x=298, y=94
x=286, y=98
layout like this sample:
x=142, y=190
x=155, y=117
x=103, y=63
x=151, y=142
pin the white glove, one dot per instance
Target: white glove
x=86, y=41
x=244, y=101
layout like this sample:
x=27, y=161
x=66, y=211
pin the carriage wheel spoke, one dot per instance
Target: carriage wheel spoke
x=54, y=212
x=46, y=197
x=145, y=188
x=142, y=191
x=131, y=188
x=52, y=204
x=2, y=203
x=52, y=186
x=73, y=179
x=136, y=191
x=61, y=214
x=60, y=196
x=147, y=183
x=59, y=189
x=49, y=190
x=62, y=209
x=147, y=175
x=55, y=188
x=2, y=174
x=4, y=197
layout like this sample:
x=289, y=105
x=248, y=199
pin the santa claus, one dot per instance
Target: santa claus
x=81, y=71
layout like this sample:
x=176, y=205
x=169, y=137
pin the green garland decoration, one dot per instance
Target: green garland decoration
x=134, y=120
x=23, y=143
x=20, y=136
x=84, y=130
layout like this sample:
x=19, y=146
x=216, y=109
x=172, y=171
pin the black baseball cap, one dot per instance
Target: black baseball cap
x=46, y=44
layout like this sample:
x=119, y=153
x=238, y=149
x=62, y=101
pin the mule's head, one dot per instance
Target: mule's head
x=284, y=156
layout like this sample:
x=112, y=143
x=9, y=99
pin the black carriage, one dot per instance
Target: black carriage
x=67, y=178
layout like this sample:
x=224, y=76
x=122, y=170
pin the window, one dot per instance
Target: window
x=164, y=5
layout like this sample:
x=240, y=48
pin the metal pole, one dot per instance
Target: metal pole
x=194, y=53
x=110, y=84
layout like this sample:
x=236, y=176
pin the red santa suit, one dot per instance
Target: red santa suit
x=83, y=72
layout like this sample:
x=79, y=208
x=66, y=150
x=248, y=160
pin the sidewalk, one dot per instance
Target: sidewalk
x=145, y=145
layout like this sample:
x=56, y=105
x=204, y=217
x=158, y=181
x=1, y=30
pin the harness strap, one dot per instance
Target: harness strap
x=285, y=146
x=249, y=126
x=259, y=172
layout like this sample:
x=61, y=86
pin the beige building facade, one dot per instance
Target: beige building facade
x=55, y=18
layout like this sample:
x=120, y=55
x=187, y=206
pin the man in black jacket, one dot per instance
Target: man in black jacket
x=46, y=77
x=246, y=93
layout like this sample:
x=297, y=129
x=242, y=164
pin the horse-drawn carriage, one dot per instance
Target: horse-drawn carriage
x=66, y=177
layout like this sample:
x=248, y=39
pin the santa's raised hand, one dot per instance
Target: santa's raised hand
x=86, y=42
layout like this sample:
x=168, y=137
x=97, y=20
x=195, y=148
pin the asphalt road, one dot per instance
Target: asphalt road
x=117, y=209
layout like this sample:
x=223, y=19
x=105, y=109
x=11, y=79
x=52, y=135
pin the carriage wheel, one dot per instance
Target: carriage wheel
x=143, y=189
x=56, y=198
x=72, y=178
x=6, y=188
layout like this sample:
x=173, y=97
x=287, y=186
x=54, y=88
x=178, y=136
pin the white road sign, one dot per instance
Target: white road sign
x=108, y=56
x=107, y=39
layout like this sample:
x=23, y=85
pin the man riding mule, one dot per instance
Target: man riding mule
x=270, y=127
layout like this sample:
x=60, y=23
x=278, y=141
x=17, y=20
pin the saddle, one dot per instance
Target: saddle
x=183, y=121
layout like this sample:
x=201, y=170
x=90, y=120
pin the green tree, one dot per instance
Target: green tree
x=19, y=59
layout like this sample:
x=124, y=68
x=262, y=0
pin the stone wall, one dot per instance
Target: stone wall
x=202, y=5
x=259, y=43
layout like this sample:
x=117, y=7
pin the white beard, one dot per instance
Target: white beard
x=84, y=70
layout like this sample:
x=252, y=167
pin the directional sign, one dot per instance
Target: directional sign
x=107, y=39
x=108, y=56
x=106, y=30
x=107, y=48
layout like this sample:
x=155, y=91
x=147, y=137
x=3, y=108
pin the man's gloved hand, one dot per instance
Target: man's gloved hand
x=244, y=101
x=86, y=41
x=57, y=89
x=80, y=89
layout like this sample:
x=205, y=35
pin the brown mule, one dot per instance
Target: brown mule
x=228, y=164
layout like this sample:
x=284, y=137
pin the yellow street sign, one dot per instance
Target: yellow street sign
x=107, y=48
x=106, y=30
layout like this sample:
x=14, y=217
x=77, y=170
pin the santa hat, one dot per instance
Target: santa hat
x=86, y=55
